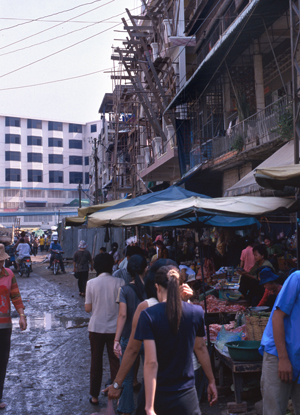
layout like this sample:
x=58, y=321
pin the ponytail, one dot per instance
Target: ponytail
x=168, y=277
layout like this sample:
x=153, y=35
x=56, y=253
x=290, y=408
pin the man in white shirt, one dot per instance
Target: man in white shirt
x=100, y=299
x=23, y=250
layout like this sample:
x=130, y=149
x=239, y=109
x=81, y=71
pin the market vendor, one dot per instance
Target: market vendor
x=270, y=281
x=249, y=284
x=274, y=251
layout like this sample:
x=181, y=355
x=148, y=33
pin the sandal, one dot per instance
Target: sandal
x=2, y=404
x=94, y=403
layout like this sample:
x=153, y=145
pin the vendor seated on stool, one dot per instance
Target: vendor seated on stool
x=270, y=281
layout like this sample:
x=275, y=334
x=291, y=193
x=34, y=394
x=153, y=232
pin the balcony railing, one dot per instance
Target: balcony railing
x=256, y=130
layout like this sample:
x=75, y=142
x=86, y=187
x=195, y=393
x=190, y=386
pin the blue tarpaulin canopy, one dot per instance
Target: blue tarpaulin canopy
x=218, y=221
x=174, y=193
x=171, y=193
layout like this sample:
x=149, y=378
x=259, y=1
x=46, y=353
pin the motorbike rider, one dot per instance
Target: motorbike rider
x=23, y=250
x=55, y=246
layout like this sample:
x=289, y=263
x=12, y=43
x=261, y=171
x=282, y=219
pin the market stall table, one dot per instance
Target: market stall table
x=238, y=369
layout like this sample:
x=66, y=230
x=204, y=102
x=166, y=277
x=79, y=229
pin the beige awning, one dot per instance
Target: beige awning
x=248, y=185
x=278, y=177
x=230, y=206
x=74, y=221
x=91, y=209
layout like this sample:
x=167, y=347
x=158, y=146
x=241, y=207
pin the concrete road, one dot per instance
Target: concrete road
x=48, y=370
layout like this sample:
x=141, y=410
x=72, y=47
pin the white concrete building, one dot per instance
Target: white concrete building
x=41, y=165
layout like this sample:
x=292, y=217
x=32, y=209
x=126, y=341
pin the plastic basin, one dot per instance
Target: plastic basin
x=244, y=350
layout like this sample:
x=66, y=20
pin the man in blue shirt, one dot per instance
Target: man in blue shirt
x=280, y=347
x=55, y=246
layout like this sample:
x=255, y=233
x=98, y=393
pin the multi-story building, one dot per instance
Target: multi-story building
x=42, y=164
x=236, y=104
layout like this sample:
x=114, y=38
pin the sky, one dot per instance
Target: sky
x=35, y=49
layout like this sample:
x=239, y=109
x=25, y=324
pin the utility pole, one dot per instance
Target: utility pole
x=96, y=170
x=79, y=191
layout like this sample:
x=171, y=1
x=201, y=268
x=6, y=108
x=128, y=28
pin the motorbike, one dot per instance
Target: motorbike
x=10, y=250
x=56, y=264
x=25, y=266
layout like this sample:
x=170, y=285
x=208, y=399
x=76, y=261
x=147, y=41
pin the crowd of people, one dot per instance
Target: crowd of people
x=141, y=311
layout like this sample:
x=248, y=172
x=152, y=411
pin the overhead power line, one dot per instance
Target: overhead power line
x=49, y=15
x=58, y=51
x=66, y=34
x=54, y=81
x=52, y=27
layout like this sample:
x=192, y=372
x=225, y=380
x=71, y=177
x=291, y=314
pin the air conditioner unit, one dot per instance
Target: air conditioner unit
x=147, y=155
x=140, y=163
x=157, y=146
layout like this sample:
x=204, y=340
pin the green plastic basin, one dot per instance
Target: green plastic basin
x=244, y=350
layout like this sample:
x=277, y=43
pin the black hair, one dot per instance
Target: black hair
x=114, y=245
x=149, y=280
x=262, y=250
x=103, y=249
x=134, y=250
x=249, y=241
x=136, y=266
x=168, y=278
x=22, y=240
x=269, y=238
x=103, y=263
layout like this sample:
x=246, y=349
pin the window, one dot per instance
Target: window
x=75, y=144
x=54, y=126
x=72, y=194
x=35, y=176
x=33, y=140
x=12, y=122
x=55, y=142
x=13, y=175
x=56, y=159
x=87, y=178
x=13, y=155
x=35, y=193
x=8, y=219
x=38, y=218
x=11, y=205
x=75, y=160
x=75, y=128
x=12, y=193
x=75, y=177
x=86, y=161
x=56, y=176
x=56, y=194
x=35, y=157
x=93, y=128
x=34, y=124
x=12, y=139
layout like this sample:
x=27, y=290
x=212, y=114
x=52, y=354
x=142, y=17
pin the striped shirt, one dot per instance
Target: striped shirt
x=9, y=290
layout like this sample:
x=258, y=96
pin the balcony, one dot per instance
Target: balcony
x=259, y=129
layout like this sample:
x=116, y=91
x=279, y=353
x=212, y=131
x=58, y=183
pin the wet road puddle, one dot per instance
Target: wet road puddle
x=50, y=321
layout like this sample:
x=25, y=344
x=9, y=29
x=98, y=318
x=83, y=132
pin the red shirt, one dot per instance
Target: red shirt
x=248, y=258
x=9, y=290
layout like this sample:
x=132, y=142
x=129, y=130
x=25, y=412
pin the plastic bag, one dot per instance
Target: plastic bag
x=225, y=336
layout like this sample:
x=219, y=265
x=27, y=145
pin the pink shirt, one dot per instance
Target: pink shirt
x=248, y=258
